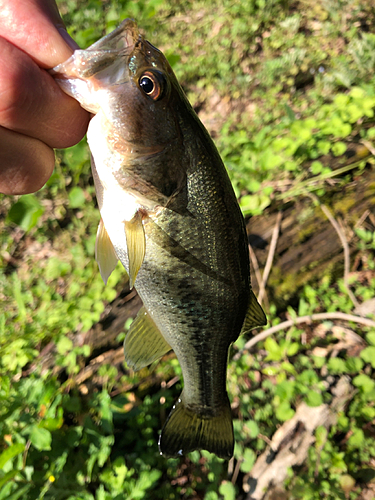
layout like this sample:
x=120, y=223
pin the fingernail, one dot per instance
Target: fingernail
x=68, y=39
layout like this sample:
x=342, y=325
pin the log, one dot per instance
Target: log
x=308, y=246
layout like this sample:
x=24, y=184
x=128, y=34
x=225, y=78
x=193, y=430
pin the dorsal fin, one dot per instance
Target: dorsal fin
x=144, y=343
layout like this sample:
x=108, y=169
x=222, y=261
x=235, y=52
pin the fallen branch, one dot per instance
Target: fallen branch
x=299, y=321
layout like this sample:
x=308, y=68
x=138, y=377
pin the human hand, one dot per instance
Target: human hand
x=35, y=114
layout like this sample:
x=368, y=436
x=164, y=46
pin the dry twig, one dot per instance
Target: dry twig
x=270, y=256
x=258, y=276
x=300, y=320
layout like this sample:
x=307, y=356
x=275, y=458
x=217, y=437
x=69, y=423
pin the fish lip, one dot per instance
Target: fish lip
x=109, y=50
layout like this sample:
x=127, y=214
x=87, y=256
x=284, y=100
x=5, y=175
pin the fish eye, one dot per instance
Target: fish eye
x=152, y=84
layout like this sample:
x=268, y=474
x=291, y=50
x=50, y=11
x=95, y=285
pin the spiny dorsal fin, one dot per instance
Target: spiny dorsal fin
x=105, y=254
x=136, y=244
x=254, y=316
x=144, y=343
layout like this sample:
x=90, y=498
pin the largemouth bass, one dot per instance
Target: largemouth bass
x=169, y=214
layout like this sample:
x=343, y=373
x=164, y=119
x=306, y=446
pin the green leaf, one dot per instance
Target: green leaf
x=11, y=452
x=8, y=477
x=285, y=390
x=115, y=478
x=101, y=494
x=354, y=365
x=211, y=495
x=339, y=148
x=40, y=438
x=284, y=411
x=357, y=439
x=275, y=352
x=368, y=355
x=254, y=203
x=319, y=361
x=292, y=349
x=76, y=197
x=336, y=365
x=52, y=424
x=228, y=490
x=249, y=458
x=25, y=212
x=288, y=367
x=321, y=434
x=64, y=345
x=366, y=236
x=316, y=167
x=253, y=428
x=364, y=382
x=271, y=371
x=324, y=147
x=314, y=398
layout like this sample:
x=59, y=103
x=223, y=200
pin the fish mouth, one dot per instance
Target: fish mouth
x=105, y=59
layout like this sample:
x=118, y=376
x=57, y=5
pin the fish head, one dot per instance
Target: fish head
x=130, y=82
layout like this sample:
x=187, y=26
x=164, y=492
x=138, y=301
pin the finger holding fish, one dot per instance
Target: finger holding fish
x=35, y=115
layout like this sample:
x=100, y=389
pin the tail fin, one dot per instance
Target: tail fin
x=185, y=431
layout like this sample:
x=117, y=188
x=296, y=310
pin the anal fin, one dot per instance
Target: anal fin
x=255, y=315
x=136, y=245
x=105, y=254
x=144, y=343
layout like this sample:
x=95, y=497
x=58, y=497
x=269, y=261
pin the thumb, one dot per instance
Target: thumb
x=36, y=27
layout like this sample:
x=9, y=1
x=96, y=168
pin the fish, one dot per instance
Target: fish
x=170, y=215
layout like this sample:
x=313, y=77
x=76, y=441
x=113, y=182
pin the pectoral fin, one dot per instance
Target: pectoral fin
x=254, y=316
x=105, y=254
x=136, y=244
x=144, y=343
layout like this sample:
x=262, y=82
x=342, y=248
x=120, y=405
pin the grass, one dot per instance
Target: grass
x=284, y=88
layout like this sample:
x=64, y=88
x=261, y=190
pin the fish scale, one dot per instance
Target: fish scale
x=170, y=215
